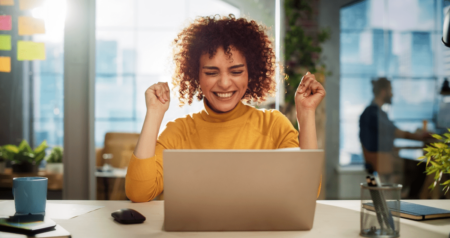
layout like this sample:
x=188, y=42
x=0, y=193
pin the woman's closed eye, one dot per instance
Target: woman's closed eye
x=211, y=73
x=237, y=72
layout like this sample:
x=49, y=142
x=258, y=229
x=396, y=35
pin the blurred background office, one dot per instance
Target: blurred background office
x=82, y=90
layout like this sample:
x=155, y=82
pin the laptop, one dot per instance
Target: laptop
x=241, y=190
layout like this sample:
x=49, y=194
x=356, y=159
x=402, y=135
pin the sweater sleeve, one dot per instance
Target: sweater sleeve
x=144, y=179
x=283, y=133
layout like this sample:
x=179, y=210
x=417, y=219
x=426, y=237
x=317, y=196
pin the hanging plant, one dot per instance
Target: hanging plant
x=302, y=49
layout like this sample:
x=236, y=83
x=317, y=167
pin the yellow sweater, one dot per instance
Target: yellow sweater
x=242, y=128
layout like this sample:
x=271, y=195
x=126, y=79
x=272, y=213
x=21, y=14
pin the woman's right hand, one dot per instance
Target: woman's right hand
x=157, y=97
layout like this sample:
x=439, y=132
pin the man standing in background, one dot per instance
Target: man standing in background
x=377, y=134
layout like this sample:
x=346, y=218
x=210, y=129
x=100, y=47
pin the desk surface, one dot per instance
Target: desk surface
x=332, y=219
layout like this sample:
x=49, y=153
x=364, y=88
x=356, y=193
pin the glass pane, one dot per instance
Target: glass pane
x=113, y=97
x=211, y=7
x=161, y=14
x=115, y=14
x=399, y=41
x=412, y=99
x=154, y=51
x=32, y=94
x=354, y=17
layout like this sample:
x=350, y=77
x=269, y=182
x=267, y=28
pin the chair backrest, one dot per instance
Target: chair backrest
x=120, y=146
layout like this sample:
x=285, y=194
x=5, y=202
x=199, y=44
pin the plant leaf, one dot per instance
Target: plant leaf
x=41, y=147
x=446, y=182
x=421, y=157
x=24, y=146
x=435, y=164
x=440, y=145
x=11, y=148
x=39, y=157
x=437, y=136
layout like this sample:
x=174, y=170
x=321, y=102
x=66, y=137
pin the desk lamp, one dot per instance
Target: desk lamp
x=446, y=40
x=446, y=30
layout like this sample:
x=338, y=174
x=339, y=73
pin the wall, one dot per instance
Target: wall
x=329, y=18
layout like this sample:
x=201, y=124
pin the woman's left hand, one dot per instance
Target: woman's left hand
x=309, y=94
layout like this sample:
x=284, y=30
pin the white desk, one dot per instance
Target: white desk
x=332, y=219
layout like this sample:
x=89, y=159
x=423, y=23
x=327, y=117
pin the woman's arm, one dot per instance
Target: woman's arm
x=144, y=179
x=157, y=98
x=308, y=96
x=307, y=130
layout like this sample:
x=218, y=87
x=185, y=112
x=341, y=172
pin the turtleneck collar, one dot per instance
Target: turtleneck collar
x=211, y=116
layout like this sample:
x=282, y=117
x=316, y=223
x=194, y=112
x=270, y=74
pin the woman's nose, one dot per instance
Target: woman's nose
x=225, y=81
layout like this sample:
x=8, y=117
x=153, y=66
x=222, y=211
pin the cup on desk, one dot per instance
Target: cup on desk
x=30, y=195
x=380, y=210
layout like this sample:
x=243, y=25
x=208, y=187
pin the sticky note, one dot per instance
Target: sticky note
x=6, y=2
x=29, y=4
x=5, y=64
x=31, y=26
x=5, y=42
x=5, y=23
x=29, y=50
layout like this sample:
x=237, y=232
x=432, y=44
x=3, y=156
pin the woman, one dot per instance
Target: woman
x=222, y=62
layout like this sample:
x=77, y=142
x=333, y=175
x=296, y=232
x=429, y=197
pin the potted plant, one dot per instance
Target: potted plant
x=54, y=161
x=438, y=160
x=23, y=158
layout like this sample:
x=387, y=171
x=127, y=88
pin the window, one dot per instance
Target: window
x=389, y=38
x=48, y=75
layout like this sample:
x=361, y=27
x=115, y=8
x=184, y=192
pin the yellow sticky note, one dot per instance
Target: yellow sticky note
x=5, y=64
x=31, y=26
x=6, y=2
x=29, y=4
x=29, y=50
x=5, y=42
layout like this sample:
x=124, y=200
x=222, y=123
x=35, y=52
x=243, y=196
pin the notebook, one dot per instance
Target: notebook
x=31, y=226
x=414, y=211
x=56, y=232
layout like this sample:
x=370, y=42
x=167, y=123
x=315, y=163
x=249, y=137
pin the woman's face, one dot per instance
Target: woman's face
x=223, y=80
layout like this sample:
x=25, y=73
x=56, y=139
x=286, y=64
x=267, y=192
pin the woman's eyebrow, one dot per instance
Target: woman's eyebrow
x=236, y=66
x=210, y=67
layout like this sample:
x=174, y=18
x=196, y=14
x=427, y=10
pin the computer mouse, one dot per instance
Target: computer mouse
x=128, y=216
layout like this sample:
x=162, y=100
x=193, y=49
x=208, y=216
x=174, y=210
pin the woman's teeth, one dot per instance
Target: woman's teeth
x=224, y=95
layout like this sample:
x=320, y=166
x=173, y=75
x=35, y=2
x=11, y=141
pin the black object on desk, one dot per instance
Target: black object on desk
x=128, y=216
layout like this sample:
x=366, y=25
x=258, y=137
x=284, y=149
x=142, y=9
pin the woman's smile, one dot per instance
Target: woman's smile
x=224, y=95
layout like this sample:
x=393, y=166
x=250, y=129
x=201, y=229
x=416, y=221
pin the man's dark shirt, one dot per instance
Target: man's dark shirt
x=376, y=131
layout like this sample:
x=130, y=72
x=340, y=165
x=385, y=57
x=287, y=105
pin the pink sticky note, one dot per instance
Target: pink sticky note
x=5, y=23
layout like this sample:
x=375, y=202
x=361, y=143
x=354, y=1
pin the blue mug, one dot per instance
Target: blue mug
x=30, y=195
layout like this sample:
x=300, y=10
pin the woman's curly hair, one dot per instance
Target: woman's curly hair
x=205, y=35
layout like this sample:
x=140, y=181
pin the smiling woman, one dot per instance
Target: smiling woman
x=222, y=61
